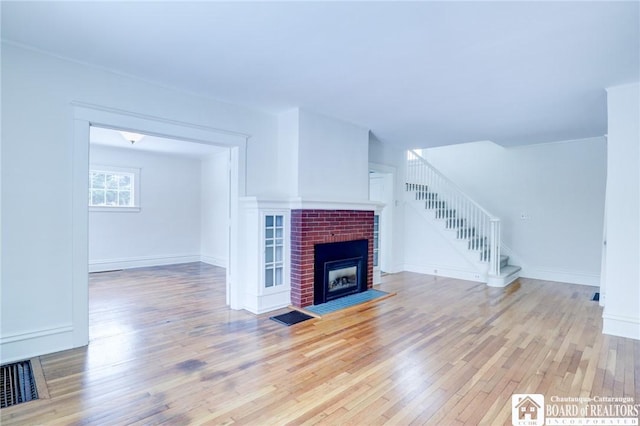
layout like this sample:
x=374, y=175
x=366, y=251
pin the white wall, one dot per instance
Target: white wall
x=214, y=225
x=333, y=159
x=557, y=187
x=37, y=181
x=321, y=158
x=622, y=271
x=288, y=152
x=166, y=230
x=427, y=251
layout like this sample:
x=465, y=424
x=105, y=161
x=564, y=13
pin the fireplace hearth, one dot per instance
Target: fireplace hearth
x=340, y=269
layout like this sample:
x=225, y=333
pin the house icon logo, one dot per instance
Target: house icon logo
x=527, y=409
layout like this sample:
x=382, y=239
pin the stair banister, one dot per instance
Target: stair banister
x=443, y=178
x=476, y=221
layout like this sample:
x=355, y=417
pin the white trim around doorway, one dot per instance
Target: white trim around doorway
x=86, y=115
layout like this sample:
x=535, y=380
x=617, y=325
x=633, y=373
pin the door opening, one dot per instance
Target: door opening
x=381, y=181
x=86, y=116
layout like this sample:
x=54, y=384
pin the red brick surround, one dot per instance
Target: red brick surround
x=311, y=227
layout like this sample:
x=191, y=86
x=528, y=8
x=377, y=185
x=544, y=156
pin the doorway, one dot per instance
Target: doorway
x=381, y=189
x=86, y=116
x=156, y=201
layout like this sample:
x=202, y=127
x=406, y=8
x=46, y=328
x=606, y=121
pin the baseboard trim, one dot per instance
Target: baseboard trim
x=214, y=261
x=622, y=326
x=561, y=276
x=19, y=346
x=260, y=304
x=102, y=265
x=443, y=271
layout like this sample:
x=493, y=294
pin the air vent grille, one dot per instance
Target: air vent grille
x=17, y=384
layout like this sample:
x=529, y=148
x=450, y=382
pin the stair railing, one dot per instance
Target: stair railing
x=480, y=227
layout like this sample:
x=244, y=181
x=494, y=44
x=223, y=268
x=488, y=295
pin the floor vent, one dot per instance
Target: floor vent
x=17, y=384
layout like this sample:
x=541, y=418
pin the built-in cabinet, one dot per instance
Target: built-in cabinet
x=264, y=234
x=377, y=275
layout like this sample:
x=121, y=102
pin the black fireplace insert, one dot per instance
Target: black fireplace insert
x=340, y=269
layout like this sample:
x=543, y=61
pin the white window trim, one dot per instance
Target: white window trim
x=114, y=209
x=136, y=188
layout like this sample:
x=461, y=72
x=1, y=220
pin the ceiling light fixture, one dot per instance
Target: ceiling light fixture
x=132, y=137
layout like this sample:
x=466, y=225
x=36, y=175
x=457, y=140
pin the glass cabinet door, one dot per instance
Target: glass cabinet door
x=376, y=239
x=273, y=250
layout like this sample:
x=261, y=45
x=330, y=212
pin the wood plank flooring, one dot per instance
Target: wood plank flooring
x=166, y=350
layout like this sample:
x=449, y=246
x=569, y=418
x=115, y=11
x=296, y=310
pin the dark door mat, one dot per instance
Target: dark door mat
x=17, y=384
x=291, y=318
x=596, y=297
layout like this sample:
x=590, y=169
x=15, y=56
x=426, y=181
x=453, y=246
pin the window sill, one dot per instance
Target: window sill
x=114, y=209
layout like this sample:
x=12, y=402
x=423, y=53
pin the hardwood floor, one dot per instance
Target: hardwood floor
x=165, y=349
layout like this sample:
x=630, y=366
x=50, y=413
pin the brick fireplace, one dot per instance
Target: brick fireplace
x=311, y=227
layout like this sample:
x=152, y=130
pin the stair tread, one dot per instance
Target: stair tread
x=509, y=270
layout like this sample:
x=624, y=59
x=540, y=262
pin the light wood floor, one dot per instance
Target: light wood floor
x=165, y=349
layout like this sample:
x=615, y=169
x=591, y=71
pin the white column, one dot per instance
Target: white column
x=622, y=271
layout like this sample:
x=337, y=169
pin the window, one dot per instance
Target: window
x=273, y=250
x=113, y=188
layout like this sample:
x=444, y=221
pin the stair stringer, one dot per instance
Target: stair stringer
x=478, y=270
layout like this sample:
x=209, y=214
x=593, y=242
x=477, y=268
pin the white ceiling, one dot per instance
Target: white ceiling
x=417, y=74
x=114, y=139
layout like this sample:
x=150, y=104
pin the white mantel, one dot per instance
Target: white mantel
x=298, y=203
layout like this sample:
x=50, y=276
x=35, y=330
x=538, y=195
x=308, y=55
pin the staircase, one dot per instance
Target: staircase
x=468, y=225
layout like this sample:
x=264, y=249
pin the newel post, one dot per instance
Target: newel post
x=495, y=246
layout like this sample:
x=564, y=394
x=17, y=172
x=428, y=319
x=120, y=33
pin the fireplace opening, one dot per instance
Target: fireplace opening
x=342, y=275
x=340, y=269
